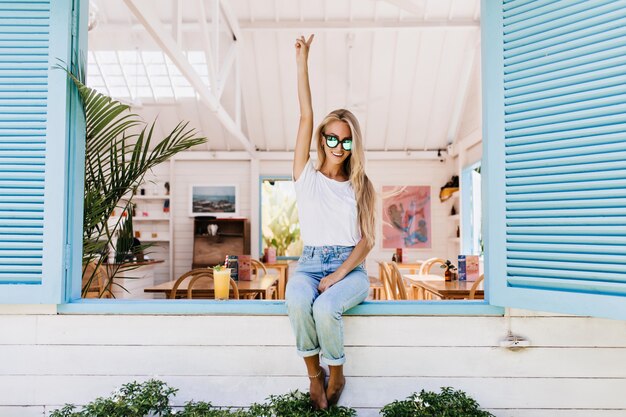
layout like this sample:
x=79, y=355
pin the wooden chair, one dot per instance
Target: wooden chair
x=98, y=285
x=472, y=293
x=377, y=288
x=398, y=281
x=194, y=275
x=393, y=282
x=255, y=269
x=429, y=263
x=385, y=277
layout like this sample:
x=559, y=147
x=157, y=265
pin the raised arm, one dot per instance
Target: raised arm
x=305, y=129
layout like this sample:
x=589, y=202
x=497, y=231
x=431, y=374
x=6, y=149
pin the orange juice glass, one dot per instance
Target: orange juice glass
x=221, y=283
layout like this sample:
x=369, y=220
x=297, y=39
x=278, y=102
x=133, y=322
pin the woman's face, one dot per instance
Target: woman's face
x=341, y=131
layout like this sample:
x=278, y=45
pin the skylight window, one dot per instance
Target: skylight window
x=144, y=75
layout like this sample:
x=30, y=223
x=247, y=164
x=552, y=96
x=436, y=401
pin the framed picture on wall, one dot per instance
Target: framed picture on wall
x=214, y=200
x=406, y=217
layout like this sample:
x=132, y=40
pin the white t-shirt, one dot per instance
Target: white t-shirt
x=327, y=210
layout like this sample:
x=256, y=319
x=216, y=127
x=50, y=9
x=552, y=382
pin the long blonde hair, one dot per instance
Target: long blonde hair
x=354, y=166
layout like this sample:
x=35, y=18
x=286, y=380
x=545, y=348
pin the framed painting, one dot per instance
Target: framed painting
x=406, y=217
x=214, y=200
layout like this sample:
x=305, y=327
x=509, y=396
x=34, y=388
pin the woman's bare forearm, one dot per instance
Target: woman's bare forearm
x=305, y=127
x=358, y=255
x=304, y=92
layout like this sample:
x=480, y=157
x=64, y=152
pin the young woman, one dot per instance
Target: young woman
x=336, y=209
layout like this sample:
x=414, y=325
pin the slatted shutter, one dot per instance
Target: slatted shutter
x=33, y=149
x=555, y=134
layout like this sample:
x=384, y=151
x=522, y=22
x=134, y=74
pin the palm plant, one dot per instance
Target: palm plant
x=116, y=161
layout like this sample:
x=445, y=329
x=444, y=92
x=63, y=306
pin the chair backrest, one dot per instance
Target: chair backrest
x=183, y=277
x=98, y=287
x=472, y=292
x=255, y=266
x=194, y=275
x=398, y=281
x=195, y=279
x=385, y=277
x=429, y=263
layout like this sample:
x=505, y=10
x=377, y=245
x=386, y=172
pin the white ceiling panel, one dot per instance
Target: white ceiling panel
x=399, y=65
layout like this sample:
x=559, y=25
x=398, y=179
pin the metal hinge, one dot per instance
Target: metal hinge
x=68, y=252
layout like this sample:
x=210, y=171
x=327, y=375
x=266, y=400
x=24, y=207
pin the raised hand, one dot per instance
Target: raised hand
x=302, y=48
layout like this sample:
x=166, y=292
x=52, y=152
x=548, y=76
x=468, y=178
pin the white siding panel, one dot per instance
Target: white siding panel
x=497, y=393
x=23, y=411
x=363, y=361
x=232, y=360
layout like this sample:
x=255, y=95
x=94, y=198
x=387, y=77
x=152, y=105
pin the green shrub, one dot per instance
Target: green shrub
x=296, y=404
x=132, y=400
x=447, y=403
x=204, y=409
x=152, y=398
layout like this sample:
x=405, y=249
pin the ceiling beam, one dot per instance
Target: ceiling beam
x=177, y=23
x=306, y=26
x=231, y=20
x=346, y=25
x=288, y=156
x=408, y=6
x=166, y=42
x=463, y=88
x=208, y=52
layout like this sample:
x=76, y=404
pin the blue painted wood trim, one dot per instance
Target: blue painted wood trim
x=261, y=179
x=492, y=168
x=273, y=308
x=466, y=208
x=57, y=154
x=76, y=168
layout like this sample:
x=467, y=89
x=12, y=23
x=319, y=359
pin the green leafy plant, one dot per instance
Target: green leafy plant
x=204, y=409
x=447, y=403
x=280, y=224
x=448, y=266
x=132, y=400
x=119, y=151
x=296, y=404
x=152, y=398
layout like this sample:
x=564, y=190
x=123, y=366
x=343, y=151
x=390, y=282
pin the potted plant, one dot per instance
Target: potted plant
x=449, y=270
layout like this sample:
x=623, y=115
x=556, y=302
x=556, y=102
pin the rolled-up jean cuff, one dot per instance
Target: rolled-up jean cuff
x=333, y=362
x=307, y=353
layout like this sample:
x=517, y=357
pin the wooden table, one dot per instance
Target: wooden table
x=283, y=275
x=203, y=288
x=447, y=290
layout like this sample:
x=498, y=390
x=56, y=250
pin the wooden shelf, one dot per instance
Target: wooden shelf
x=151, y=197
x=232, y=238
x=150, y=219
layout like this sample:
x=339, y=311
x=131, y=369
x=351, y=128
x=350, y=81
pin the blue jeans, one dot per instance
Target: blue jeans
x=317, y=319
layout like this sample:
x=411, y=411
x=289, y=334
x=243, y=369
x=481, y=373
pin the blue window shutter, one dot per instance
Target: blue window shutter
x=554, y=92
x=33, y=149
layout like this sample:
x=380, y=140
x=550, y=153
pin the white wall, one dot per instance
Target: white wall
x=575, y=367
x=432, y=173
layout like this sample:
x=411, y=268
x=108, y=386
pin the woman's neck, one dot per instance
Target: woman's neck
x=335, y=172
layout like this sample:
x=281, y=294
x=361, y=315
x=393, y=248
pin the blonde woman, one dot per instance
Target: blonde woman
x=336, y=209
